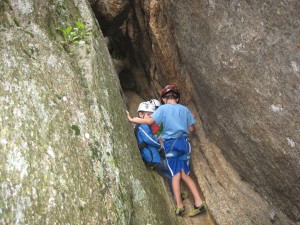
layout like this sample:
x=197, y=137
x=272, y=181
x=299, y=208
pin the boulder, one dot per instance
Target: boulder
x=68, y=155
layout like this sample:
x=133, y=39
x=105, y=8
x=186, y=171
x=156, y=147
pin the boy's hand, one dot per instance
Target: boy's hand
x=128, y=116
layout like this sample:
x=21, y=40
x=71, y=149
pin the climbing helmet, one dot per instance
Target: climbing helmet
x=155, y=102
x=146, y=107
x=170, y=90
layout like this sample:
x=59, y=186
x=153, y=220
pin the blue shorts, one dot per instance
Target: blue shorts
x=182, y=146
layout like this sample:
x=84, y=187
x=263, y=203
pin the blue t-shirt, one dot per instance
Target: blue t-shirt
x=175, y=119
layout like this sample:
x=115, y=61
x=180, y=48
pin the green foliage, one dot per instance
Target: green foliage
x=75, y=35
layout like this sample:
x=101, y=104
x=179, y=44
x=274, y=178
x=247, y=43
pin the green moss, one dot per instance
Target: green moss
x=8, y=4
x=16, y=22
x=94, y=148
x=59, y=97
x=76, y=129
x=28, y=32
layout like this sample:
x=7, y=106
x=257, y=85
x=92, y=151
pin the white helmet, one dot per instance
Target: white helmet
x=155, y=102
x=146, y=107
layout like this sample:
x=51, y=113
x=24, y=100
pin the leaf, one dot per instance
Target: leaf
x=62, y=31
x=68, y=30
x=74, y=36
x=79, y=25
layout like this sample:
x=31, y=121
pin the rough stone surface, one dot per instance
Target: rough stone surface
x=237, y=65
x=109, y=9
x=66, y=154
x=111, y=13
x=244, y=58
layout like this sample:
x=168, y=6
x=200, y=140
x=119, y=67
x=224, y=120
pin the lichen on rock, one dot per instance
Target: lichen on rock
x=66, y=155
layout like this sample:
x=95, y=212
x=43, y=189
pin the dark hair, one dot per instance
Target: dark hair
x=171, y=95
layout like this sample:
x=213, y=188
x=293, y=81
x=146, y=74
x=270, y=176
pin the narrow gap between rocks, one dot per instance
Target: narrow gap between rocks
x=137, y=87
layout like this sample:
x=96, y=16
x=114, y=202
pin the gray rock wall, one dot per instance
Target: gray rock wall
x=66, y=152
x=243, y=57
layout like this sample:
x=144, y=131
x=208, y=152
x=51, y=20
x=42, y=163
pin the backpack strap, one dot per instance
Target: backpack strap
x=180, y=155
x=143, y=144
x=136, y=128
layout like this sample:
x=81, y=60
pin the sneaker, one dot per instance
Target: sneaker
x=179, y=211
x=198, y=210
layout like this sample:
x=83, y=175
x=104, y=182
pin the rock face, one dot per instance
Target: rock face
x=237, y=65
x=246, y=74
x=66, y=154
x=111, y=13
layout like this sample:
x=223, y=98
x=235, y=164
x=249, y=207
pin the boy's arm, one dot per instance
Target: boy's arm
x=148, y=137
x=140, y=120
x=191, y=128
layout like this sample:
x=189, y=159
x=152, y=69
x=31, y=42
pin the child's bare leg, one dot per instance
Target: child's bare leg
x=193, y=188
x=176, y=190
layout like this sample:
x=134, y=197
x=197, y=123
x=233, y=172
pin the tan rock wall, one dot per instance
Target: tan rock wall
x=243, y=59
x=236, y=63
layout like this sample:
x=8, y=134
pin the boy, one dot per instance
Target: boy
x=149, y=144
x=177, y=121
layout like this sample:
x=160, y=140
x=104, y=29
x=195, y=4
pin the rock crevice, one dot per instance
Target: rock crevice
x=237, y=65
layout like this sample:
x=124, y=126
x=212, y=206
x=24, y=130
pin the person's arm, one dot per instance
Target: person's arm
x=146, y=135
x=139, y=120
x=191, y=128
